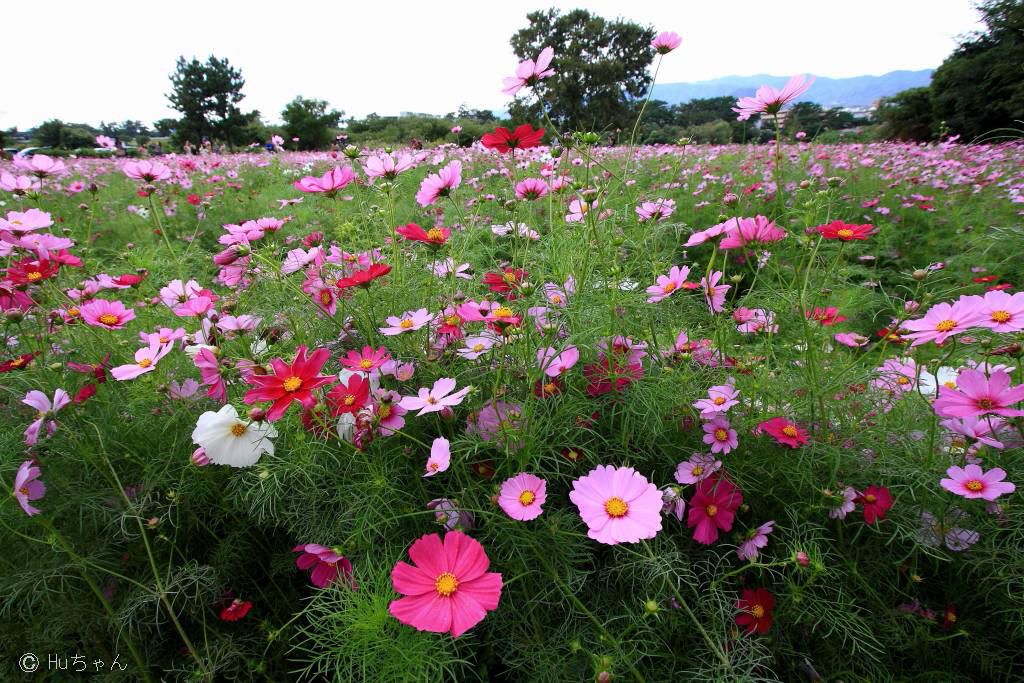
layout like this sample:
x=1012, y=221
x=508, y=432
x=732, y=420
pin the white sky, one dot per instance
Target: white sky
x=110, y=59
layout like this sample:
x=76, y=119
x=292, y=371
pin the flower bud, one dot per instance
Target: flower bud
x=257, y=414
x=199, y=457
x=919, y=274
x=351, y=151
x=802, y=559
x=730, y=199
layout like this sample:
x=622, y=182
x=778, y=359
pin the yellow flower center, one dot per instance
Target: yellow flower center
x=164, y=340
x=145, y=362
x=384, y=410
x=446, y=585
x=527, y=497
x=478, y=347
x=945, y=326
x=23, y=490
x=73, y=311
x=1001, y=316
x=405, y=324
x=668, y=287
x=109, y=319
x=950, y=384
x=974, y=485
x=718, y=400
x=550, y=388
x=758, y=610
x=950, y=617
x=34, y=275
x=503, y=312
x=325, y=297
x=17, y=362
x=238, y=429
x=845, y=232
x=555, y=299
x=697, y=471
x=349, y=399
x=366, y=364
x=790, y=430
x=870, y=498
x=616, y=507
x=509, y=277
x=711, y=510
x=584, y=207
x=435, y=235
x=902, y=380
x=721, y=434
x=452, y=320
x=293, y=383
x=985, y=404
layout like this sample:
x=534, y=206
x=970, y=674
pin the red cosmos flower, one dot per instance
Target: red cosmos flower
x=194, y=199
x=547, y=387
x=756, y=607
x=504, y=140
x=838, y=230
x=19, y=363
x=876, y=501
x=892, y=336
x=236, y=610
x=363, y=278
x=999, y=287
x=30, y=271
x=97, y=370
x=435, y=236
x=349, y=397
x=949, y=617
x=128, y=280
x=289, y=383
x=84, y=394
x=607, y=375
x=985, y=279
x=713, y=508
x=826, y=316
x=506, y=281
x=784, y=432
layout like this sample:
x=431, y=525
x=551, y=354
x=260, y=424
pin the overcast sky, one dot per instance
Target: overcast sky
x=110, y=59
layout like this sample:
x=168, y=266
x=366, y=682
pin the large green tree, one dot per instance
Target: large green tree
x=311, y=121
x=601, y=69
x=980, y=87
x=908, y=115
x=207, y=95
x=60, y=135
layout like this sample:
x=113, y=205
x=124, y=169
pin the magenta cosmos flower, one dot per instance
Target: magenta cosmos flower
x=744, y=232
x=666, y=285
x=657, y=210
x=440, y=457
x=1001, y=312
x=329, y=183
x=972, y=482
x=386, y=166
x=720, y=436
x=531, y=188
x=27, y=487
x=447, y=588
x=146, y=171
x=529, y=72
x=328, y=565
x=554, y=362
x=440, y=184
x=618, y=505
x=784, y=432
x=435, y=399
x=665, y=42
x=768, y=100
x=410, y=321
x=522, y=496
x=943, y=321
x=109, y=314
x=366, y=360
x=975, y=395
x=713, y=509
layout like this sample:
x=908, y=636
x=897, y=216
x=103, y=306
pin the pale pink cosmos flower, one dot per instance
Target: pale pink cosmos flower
x=178, y=292
x=19, y=184
x=446, y=267
x=703, y=236
x=386, y=166
x=39, y=165
x=146, y=170
x=529, y=73
x=756, y=539
x=440, y=457
x=714, y=293
x=435, y=399
x=146, y=359
x=933, y=532
x=26, y=221
x=666, y=285
x=981, y=429
x=440, y=184
x=976, y=395
x=240, y=323
x=768, y=100
x=105, y=142
x=943, y=321
x=972, y=482
x=194, y=308
x=531, y=188
x=184, y=390
x=847, y=504
x=410, y=321
x=617, y=504
x=46, y=410
x=896, y=376
x=109, y=314
x=720, y=436
x=720, y=399
x=554, y=362
x=851, y=339
x=699, y=467
x=521, y=230
x=329, y=183
x=478, y=345
x=657, y=210
x=578, y=210
x=665, y=42
x=27, y=487
x=523, y=496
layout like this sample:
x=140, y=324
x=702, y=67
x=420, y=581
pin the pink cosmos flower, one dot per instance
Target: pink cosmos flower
x=720, y=399
x=713, y=509
x=523, y=496
x=756, y=539
x=972, y=482
x=720, y=436
x=146, y=171
x=39, y=165
x=109, y=314
x=440, y=184
x=578, y=210
x=896, y=376
x=531, y=188
x=447, y=588
x=478, y=345
x=665, y=42
x=18, y=184
x=440, y=457
x=387, y=412
x=177, y=292
x=237, y=323
x=367, y=360
x=714, y=293
x=327, y=564
x=744, y=232
x=618, y=505
x=666, y=285
x=329, y=183
x=943, y=321
x=703, y=236
x=847, y=504
x=46, y=410
x=699, y=467
x=146, y=359
x=209, y=370
x=784, y=432
x=435, y=399
x=446, y=267
x=976, y=395
x=529, y=73
x=554, y=362
x=982, y=429
x=26, y=221
x=27, y=487
x=851, y=339
x=386, y=166
x=657, y=210
x=409, y=321
x=1001, y=312
x=768, y=100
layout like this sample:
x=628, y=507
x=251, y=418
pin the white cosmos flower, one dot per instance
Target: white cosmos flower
x=229, y=440
x=929, y=384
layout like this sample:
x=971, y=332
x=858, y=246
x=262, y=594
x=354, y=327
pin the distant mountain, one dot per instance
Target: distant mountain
x=829, y=92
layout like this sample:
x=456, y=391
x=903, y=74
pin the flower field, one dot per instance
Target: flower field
x=518, y=411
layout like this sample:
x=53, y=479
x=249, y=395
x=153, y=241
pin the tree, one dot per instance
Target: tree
x=980, y=87
x=908, y=115
x=814, y=118
x=165, y=127
x=207, y=95
x=601, y=68
x=59, y=135
x=311, y=122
